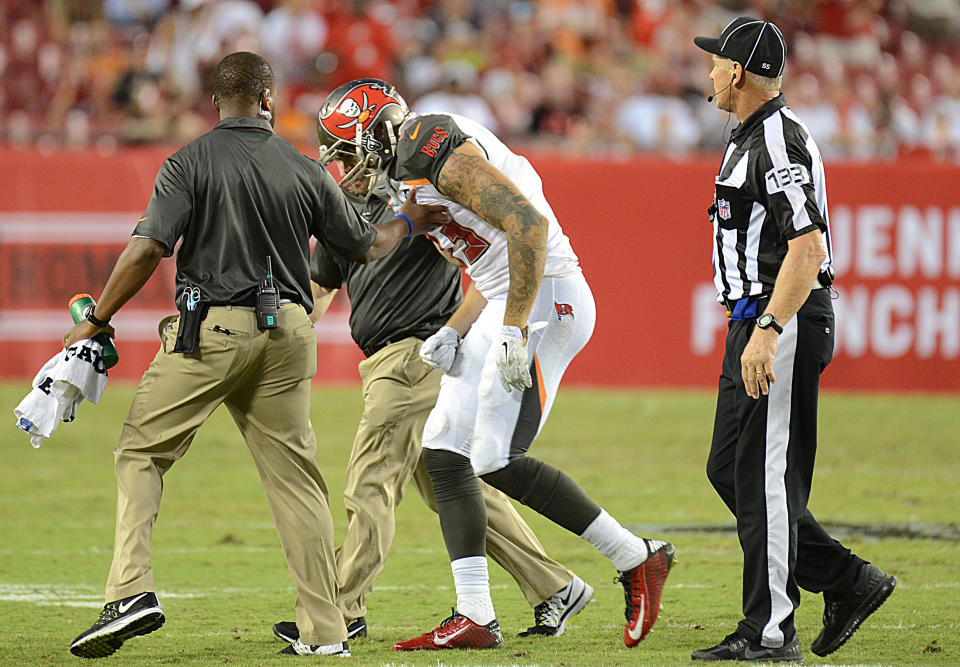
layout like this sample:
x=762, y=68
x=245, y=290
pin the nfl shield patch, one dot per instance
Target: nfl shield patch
x=723, y=209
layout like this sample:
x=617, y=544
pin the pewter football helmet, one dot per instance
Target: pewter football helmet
x=358, y=125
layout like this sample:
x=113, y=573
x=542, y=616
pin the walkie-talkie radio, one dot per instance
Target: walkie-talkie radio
x=268, y=301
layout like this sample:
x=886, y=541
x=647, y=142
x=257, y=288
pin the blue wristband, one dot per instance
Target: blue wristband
x=410, y=224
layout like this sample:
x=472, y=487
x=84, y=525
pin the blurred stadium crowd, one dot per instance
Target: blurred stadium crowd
x=873, y=78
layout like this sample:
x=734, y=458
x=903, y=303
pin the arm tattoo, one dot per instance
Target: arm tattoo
x=471, y=181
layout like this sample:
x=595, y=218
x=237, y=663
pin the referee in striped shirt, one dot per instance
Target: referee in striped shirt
x=772, y=269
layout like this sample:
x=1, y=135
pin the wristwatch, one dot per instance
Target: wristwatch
x=768, y=321
x=94, y=320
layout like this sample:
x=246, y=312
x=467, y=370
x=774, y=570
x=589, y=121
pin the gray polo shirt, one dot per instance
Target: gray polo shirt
x=238, y=194
x=412, y=291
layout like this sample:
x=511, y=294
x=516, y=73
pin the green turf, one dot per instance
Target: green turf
x=883, y=460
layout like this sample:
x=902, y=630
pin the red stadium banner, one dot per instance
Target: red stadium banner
x=639, y=227
x=641, y=231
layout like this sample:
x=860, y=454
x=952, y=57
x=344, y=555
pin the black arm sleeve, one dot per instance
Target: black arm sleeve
x=424, y=146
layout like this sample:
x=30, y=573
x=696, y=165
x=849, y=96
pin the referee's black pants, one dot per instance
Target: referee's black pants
x=761, y=464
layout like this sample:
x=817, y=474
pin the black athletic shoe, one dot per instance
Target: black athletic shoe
x=550, y=616
x=735, y=647
x=357, y=628
x=643, y=590
x=119, y=621
x=340, y=649
x=288, y=632
x=843, y=615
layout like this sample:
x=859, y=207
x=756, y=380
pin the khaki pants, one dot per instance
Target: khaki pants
x=399, y=391
x=264, y=380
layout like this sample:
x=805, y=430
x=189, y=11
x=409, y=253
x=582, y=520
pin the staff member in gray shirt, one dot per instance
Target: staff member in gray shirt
x=396, y=303
x=235, y=197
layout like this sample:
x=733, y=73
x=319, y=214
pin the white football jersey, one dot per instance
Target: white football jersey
x=480, y=247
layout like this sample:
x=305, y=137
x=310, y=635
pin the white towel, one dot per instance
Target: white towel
x=58, y=389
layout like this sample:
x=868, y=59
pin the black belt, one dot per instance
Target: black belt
x=747, y=308
x=250, y=302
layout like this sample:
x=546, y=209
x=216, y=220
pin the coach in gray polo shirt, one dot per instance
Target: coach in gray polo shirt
x=234, y=197
x=397, y=303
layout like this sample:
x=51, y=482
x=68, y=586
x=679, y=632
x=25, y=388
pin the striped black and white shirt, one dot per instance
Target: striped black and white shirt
x=770, y=189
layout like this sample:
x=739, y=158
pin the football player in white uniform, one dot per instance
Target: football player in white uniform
x=526, y=314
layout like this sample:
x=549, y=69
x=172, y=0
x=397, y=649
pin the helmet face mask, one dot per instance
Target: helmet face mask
x=359, y=171
x=357, y=126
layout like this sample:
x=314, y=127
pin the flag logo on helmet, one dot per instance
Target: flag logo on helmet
x=351, y=109
x=356, y=112
x=358, y=127
x=361, y=105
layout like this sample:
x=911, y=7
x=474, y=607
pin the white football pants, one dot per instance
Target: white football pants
x=474, y=415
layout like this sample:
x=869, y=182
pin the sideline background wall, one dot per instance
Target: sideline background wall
x=639, y=227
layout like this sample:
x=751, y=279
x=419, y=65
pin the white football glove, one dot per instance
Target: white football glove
x=512, y=359
x=440, y=349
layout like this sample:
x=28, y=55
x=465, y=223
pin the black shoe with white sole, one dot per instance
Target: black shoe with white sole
x=119, y=621
x=357, y=628
x=339, y=649
x=550, y=616
x=288, y=632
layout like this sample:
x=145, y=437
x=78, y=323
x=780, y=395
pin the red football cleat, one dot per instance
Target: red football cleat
x=642, y=589
x=457, y=631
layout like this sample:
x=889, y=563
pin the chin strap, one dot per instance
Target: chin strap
x=391, y=135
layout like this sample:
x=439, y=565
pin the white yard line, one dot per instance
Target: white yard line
x=173, y=550
x=43, y=594
x=56, y=595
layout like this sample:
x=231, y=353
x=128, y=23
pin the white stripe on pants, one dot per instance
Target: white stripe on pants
x=778, y=519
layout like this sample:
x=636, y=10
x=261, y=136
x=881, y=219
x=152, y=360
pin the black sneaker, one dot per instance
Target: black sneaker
x=119, y=621
x=843, y=615
x=357, y=628
x=735, y=647
x=288, y=632
x=550, y=616
x=340, y=649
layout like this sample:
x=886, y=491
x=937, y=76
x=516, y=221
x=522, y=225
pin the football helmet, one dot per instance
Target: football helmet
x=358, y=125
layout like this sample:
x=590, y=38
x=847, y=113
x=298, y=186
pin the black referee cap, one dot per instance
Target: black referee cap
x=756, y=44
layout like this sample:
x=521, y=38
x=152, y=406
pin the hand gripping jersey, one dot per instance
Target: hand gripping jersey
x=425, y=144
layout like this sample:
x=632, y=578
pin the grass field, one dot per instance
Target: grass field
x=886, y=478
